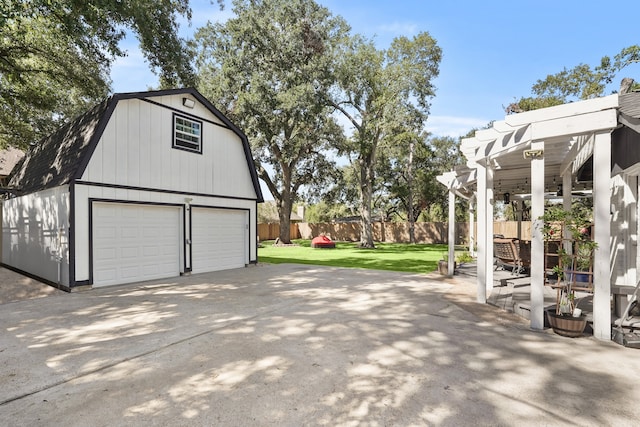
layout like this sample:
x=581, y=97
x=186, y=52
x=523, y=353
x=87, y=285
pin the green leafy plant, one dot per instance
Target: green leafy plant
x=577, y=221
x=464, y=257
x=571, y=229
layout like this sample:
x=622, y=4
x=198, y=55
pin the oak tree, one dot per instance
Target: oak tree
x=579, y=82
x=269, y=68
x=55, y=56
x=376, y=90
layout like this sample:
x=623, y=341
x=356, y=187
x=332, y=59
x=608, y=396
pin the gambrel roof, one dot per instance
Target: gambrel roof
x=62, y=157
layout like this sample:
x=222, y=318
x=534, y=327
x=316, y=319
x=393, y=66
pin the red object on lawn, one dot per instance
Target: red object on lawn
x=322, y=242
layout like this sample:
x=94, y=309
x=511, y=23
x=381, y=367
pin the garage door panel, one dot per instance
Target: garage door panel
x=130, y=272
x=105, y=232
x=134, y=243
x=219, y=239
x=129, y=232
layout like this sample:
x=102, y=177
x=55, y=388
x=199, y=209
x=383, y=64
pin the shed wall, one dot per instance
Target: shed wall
x=35, y=234
x=136, y=150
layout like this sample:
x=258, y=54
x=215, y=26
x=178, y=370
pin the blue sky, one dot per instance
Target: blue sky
x=493, y=51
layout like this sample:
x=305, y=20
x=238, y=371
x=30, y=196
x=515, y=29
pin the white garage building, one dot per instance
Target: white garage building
x=144, y=186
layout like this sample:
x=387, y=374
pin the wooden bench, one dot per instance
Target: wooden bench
x=512, y=253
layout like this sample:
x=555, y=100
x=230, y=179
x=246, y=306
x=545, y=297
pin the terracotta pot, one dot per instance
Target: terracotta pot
x=443, y=267
x=567, y=326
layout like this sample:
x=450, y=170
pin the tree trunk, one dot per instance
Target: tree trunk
x=412, y=225
x=285, y=202
x=284, y=213
x=366, y=191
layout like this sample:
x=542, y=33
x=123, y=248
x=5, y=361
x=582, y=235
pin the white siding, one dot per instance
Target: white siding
x=35, y=234
x=136, y=150
x=624, y=229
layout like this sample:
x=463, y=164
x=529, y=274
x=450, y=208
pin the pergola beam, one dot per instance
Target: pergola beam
x=494, y=143
x=563, y=111
x=575, y=125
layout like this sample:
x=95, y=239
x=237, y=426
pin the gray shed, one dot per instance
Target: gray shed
x=143, y=186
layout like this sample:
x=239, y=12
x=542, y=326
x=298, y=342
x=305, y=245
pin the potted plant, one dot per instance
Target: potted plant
x=571, y=233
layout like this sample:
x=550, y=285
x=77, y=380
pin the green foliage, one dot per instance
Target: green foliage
x=342, y=188
x=55, y=56
x=323, y=212
x=577, y=222
x=406, y=172
x=579, y=82
x=435, y=213
x=44, y=80
x=464, y=257
x=269, y=69
x=532, y=103
x=377, y=91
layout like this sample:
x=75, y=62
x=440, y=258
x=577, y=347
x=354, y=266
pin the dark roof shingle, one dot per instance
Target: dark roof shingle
x=55, y=159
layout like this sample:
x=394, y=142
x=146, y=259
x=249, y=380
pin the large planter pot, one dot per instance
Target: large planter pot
x=567, y=326
x=443, y=267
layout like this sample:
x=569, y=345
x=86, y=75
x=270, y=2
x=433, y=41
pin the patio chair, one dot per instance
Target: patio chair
x=508, y=254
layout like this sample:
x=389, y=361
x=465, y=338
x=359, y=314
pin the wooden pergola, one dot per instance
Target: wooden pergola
x=534, y=153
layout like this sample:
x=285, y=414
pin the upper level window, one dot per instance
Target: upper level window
x=187, y=134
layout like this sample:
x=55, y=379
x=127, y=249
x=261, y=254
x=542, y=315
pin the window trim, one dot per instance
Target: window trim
x=174, y=135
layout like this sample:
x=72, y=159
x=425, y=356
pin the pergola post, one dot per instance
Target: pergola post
x=602, y=236
x=482, y=233
x=567, y=200
x=537, y=244
x=472, y=224
x=489, y=234
x=452, y=233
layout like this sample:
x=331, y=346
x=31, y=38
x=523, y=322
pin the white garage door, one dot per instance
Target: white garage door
x=132, y=243
x=219, y=239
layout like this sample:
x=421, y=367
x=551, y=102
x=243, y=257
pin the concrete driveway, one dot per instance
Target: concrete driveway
x=293, y=345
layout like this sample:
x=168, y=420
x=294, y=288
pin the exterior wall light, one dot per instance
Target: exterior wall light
x=533, y=154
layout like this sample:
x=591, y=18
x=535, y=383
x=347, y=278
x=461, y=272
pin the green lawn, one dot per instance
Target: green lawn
x=386, y=256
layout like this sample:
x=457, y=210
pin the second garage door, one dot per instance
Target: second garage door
x=219, y=239
x=132, y=243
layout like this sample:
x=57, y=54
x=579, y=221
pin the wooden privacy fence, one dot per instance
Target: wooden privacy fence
x=392, y=232
x=272, y=231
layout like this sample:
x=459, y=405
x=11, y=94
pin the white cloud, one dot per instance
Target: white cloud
x=453, y=126
x=399, y=28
